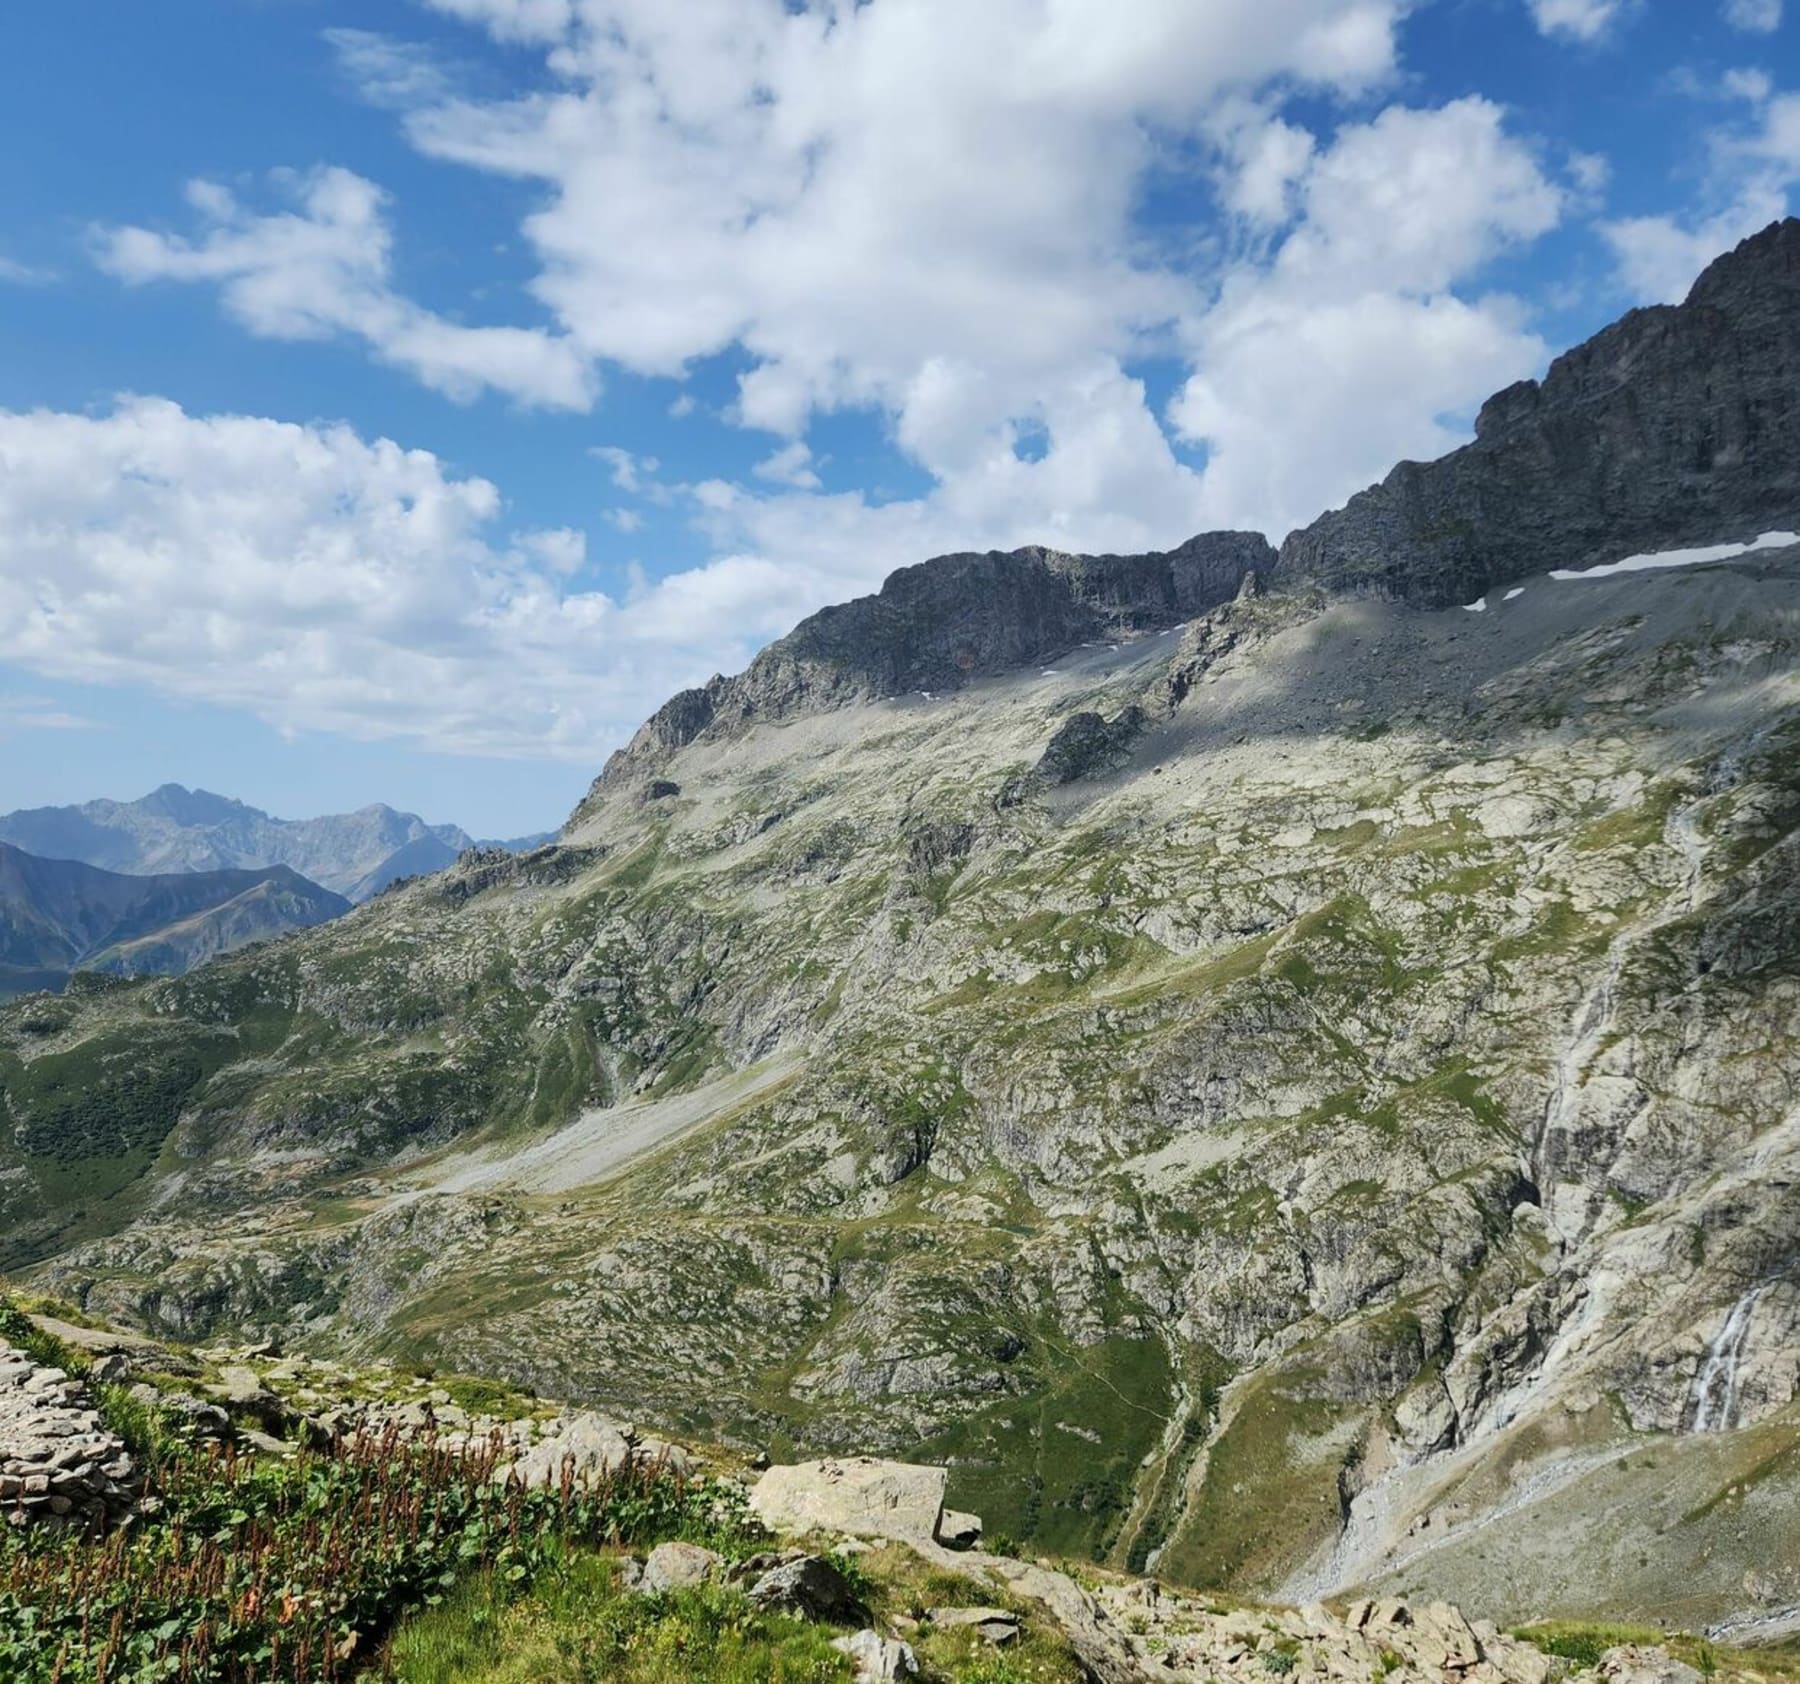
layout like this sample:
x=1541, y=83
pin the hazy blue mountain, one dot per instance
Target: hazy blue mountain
x=176, y=829
x=59, y=916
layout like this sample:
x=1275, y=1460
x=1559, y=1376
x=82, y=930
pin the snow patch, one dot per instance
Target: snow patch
x=1679, y=558
x=1479, y=606
x=1517, y=590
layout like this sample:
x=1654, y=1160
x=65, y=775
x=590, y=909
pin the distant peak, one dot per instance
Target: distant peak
x=1771, y=257
x=195, y=806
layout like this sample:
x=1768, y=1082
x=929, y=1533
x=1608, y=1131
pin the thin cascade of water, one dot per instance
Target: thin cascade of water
x=1714, y=1400
x=1592, y=1024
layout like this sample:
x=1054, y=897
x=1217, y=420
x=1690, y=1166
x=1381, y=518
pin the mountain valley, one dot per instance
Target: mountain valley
x=1277, y=1066
x=58, y=917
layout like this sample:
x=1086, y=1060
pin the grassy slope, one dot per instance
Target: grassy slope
x=989, y=1041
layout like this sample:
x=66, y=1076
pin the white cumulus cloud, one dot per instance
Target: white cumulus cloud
x=1582, y=20
x=1314, y=372
x=1753, y=165
x=24, y=274
x=321, y=581
x=931, y=211
x=322, y=269
x=1758, y=17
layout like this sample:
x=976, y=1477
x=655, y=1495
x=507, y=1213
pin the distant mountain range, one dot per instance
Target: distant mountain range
x=174, y=829
x=59, y=916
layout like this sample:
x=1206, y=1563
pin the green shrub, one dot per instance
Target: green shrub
x=258, y=1570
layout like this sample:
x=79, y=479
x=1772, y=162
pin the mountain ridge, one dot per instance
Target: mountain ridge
x=61, y=916
x=1441, y=533
x=173, y=828
x=1676, y=423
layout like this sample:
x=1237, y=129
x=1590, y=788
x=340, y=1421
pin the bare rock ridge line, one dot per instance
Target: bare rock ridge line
x=945, y=622
x=1676, y=423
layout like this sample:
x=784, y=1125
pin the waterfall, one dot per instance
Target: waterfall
x=1592, y=1025
x=1715, y=1395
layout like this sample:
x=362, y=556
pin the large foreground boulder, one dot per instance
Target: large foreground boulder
x=860, y=1495
x=811, y=1587
x=590, y=1446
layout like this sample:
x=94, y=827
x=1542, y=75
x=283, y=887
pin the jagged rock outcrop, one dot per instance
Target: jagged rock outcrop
x=1677, y=424
x=1089, y=744
x=945, y=622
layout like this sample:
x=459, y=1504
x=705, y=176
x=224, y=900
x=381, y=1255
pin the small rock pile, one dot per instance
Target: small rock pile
x=58, y=1465
x=1176, y=1637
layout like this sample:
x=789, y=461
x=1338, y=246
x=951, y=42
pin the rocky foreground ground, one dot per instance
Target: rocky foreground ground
x=832, y=1524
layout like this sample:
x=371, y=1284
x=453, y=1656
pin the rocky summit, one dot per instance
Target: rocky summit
x=1276, y=1068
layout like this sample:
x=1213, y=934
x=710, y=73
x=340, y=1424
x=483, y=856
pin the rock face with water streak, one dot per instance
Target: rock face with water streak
x=1344, y=1133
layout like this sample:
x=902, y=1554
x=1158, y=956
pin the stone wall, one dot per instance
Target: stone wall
x=58, y=1463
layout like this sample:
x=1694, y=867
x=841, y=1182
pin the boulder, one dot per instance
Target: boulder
x=1633, y=1663
x=812, y=1588
x=1522, y=1663
x=677, y=1567
x=1441, y=1637
x=590, y=1445
x=242, y=1392
x=264, y=1444
x=958, y=1531
x=995, y=1625
x=876, y=1659
x=860, y=1495
x=202, y=1419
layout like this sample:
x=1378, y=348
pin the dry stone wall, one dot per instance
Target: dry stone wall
x=58, y=1463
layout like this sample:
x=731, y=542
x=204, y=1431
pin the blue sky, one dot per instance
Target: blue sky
x=399, y=400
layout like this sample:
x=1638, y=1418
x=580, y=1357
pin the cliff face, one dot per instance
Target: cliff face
x=1677, y=424
x=938, y=626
